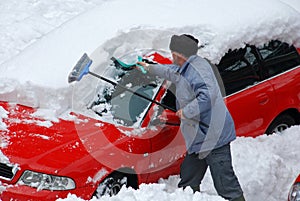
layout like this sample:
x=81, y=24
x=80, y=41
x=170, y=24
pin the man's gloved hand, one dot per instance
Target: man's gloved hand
x=143, y=64
x=179, y=113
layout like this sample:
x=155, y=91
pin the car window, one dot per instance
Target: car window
x=168, y=99
x=125, y=107
x=278, y=57
x=128, y=107
x=238, y=69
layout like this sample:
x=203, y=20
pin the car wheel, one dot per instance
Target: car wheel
x=111, y=185
x=281, y=123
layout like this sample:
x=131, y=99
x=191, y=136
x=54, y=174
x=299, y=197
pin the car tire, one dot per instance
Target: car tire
x=281, y=123
x=111, y=185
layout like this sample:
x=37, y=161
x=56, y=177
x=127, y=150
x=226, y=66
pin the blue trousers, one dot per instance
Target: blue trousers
x=219, y=161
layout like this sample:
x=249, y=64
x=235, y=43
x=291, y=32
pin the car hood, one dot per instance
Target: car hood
x=37, y=144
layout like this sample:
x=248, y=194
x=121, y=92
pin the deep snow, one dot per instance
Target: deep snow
x=40, y=41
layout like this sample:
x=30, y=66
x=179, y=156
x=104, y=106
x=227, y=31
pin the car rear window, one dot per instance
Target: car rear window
x=241, y=68
x=278, y=57
x=238, y=69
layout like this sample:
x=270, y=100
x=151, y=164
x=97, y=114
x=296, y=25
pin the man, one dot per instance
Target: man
x=206, y=124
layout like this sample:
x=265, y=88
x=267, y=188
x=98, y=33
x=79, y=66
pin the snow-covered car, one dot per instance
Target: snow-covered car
x=139, y=141
x=92, y=138
x=263, y=83
x=294, y=194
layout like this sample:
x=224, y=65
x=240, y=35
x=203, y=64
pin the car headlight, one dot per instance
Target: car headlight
x=294, y=194
x=45, y=181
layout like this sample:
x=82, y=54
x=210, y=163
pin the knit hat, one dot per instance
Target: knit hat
x=184, y=44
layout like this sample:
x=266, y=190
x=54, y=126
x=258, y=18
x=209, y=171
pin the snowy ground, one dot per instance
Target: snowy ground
x=47, y=37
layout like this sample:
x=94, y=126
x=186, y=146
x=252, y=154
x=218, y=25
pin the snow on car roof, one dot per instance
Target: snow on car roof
x=116, y=27
x=221, y=25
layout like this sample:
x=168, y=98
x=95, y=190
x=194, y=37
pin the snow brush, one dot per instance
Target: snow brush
x=119, y=64
x=82, y=68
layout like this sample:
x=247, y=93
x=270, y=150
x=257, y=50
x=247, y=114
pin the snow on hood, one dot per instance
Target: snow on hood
x=38, y=75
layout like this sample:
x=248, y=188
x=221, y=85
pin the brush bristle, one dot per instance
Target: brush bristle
x=80, y=69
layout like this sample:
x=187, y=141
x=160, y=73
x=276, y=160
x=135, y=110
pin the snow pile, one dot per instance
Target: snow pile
x=270, y=163
x=34, y=95
x=221, y=26
x=152, y=192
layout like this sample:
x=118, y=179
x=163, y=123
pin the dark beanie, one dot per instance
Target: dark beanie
x=184, y=44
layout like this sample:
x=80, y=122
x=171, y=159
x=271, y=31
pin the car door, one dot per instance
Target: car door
x=249, y=99
x=281, y=63
x=252, y=109
x=124, y=107
x=167, y=143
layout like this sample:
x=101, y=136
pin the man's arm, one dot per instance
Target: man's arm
x=168, y=72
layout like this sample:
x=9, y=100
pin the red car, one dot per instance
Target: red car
x=294, y=194
x=263, y=87
x=138, y=141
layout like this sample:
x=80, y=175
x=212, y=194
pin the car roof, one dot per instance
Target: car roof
x=46, y=63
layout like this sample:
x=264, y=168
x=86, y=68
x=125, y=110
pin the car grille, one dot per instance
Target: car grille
x=7, y=171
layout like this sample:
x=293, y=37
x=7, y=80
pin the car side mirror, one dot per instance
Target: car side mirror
x=169, y=117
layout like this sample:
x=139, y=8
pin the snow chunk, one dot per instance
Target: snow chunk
x=47, y=114
x=136, y=131
x=50, y=101
x=45, y=137
x=3, y=114
x=3, y=158
x=46, y=124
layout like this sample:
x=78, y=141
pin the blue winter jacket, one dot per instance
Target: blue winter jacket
x=198, y=95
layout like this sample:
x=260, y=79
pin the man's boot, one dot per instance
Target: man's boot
x=195, y=188
x=241, y=198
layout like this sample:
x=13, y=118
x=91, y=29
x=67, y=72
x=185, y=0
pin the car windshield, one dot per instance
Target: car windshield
x=117, y=103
